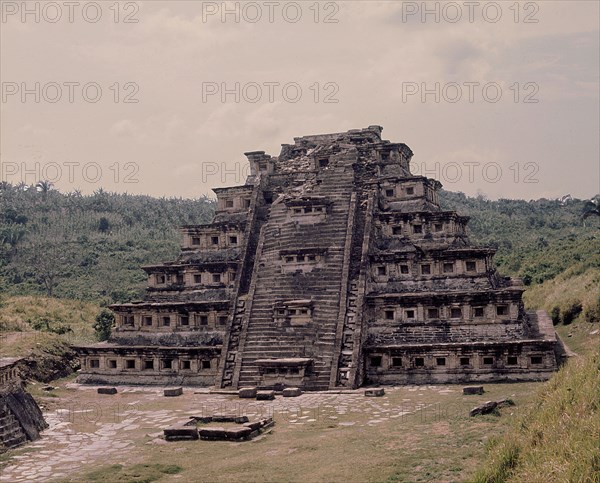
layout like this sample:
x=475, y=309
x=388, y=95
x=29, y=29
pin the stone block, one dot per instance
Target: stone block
x=247, y=392
x=292, y=392
x=107, y=390
x=253, y=425
x=485, y=408
x=265, y=395
x=375, y=392
x=180, y=432
x=267, y=422
x=238, y=433
x=228, y=418
x=212, y=433
x=467, y=390
x=173, y=391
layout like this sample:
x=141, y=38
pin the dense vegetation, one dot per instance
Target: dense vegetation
x=87, y=247
x=537, y=239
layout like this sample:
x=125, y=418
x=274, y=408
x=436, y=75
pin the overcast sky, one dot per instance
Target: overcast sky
x=499, y=98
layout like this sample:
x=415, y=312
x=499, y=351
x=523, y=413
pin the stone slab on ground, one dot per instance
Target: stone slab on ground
x=467, y=390
x=247, y=392
x=107, y=390
x=173, y=391
x=253, y=425
x=490, y=406
x=265, y=395
x=292, y=392
x=375, y=392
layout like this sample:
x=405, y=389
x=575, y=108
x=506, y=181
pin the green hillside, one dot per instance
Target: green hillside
x=87, y=247
x=537, y=239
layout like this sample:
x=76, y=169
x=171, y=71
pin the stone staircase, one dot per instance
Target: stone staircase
x=11, y=432
x=263, y=338
x=350, y=333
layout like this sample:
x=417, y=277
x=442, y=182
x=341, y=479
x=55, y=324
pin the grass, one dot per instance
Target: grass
x=19, y=317
x=141, y=473
x=558, y=439
x=575, y=286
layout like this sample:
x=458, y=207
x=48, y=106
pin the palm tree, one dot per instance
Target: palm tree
x=44, y=186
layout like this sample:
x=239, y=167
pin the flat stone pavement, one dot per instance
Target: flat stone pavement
x=110, y=427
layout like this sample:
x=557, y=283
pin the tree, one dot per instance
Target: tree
x=104, y=324
x=48, y=261
x=591, y=208
x=43, y=186
x=103, y=225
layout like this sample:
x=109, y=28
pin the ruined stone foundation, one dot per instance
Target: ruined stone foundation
x=21, y=419
x=332, y=266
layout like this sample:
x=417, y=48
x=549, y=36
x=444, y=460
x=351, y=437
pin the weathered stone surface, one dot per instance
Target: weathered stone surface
x=173, y=391
x=20, y=417
x=247, y=392
x=490, y=407
x=337, y=223
x=238, y=433
x=265, y=395
x=181, y=432
x=219, y=433
x=467, y=390
x=376, y=392
x=212, y=433
x=254, y=425
x=485, y=408
x=267, y=422
x=229, y=418
x=107, y=390
x=292, y=392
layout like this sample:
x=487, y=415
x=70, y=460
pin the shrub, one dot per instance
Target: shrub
x=53, y=325
x=571, y=311
x=591, y=312
x=104, y=323
x=555, y=315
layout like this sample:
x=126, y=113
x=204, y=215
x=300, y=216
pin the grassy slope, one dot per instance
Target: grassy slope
x=19, y=315
x=559, y=438
x=48, y=354
x=577, y=285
